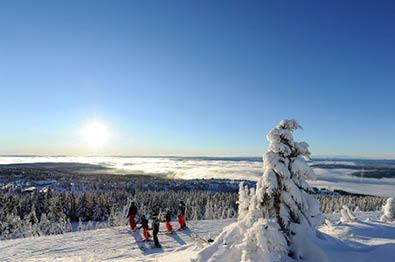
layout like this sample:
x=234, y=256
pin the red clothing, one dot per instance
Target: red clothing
x=168, y=226
x=181, y=221
x=146, y=234
x=132, y=222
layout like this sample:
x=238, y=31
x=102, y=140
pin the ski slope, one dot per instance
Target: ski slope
x=116, y=243
x=364, y=240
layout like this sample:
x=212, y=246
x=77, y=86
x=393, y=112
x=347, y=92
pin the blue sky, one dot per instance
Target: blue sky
x=197, y=77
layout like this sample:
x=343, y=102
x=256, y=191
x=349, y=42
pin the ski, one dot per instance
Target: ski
x=150, y=248
x=166, y=233
x=197, y=237
x=143, y=241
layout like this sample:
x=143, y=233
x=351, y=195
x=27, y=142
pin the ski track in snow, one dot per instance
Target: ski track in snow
x=364, y=240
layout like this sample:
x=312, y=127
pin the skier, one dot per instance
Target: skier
x=132, y=215
x=144, y=225
x=181, y=215
x=155, y=230
x=168, y=219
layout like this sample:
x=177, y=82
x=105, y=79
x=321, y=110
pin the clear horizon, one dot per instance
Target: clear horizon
x=196, y=78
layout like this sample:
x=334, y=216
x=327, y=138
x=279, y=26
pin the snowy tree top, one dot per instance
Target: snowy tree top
x=290, y=124
x=281, y=140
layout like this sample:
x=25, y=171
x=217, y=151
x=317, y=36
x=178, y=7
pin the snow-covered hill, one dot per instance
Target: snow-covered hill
x=364, y=240
x=116, y=243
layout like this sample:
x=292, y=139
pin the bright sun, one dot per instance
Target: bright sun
x=95, y=134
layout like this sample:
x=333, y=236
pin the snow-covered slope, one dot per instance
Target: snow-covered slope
x=364, y=240
x=116, y=243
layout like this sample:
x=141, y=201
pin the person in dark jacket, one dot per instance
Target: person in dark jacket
x=181, y=215
x=132, y=215
x=144, y=225
x=155, y=230
x=168, y=219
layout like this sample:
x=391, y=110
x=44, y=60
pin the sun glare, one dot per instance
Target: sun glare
x=95, y=134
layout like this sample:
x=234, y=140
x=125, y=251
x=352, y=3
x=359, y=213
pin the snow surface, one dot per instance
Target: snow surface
x=116, y=243
x=368, y=239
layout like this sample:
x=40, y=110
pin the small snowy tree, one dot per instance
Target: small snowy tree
x=282, y=215
x=90, y=225
x=347, y=215
x=118, y=218
x=81, y=225
x=389, y=210
x=12, y=227
x=244, y=200
x=101, y=225
x=44, y=225
x=68, y=227
x=33, y=221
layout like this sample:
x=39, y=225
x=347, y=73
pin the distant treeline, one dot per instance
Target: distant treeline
x=18, y=179
x=330, y=204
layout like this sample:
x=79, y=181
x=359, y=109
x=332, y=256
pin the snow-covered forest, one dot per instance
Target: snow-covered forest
x=22, y=215
x=27, y=214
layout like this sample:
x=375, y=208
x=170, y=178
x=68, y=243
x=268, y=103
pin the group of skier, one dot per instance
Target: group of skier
x=156, y=217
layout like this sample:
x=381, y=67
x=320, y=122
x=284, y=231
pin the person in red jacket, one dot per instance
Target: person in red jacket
x=132, y=215
x=181, y=215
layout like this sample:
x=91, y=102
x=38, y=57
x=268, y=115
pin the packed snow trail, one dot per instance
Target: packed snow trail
x=116, y=243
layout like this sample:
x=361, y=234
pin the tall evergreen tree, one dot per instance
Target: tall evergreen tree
x=282, y=215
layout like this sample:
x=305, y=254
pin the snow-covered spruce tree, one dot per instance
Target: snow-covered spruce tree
x=389, y=210
x=244, y=200
x=44, y=225
x=282, y=215
x=33, y=221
